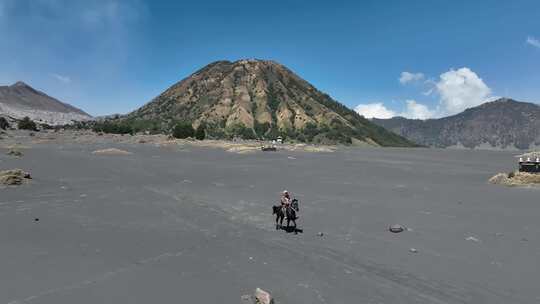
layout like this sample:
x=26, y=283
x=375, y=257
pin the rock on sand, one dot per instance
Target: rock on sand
x=396, y=228
x=263, y=297
x=13, y=177
x=516, y=179
x=259, y=297
x=15, y=153
x=111, y=151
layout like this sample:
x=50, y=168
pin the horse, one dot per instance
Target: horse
x=280, y=215
x=290, y=212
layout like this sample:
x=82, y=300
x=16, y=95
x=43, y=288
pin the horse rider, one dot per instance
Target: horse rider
x=285, y=201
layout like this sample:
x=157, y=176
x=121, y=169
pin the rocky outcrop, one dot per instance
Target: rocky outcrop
x=516, y=179
x=259, y=297
x=13, y=177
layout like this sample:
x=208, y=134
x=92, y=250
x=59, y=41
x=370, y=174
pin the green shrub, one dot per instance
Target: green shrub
x=183, y=130
x=113, y=127
x=310, y=131
x=261, y=129
x=273, y=104
x=240, y=130
x=200, y=133
x=27, y=124
x=215, y=131
x=129, y=126
x=245, y=132
x=4, y=124
x=273, y=133
x=141, y=125
x=290, y=134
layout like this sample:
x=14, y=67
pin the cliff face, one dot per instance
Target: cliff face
x=501, y=124
x=265, y=98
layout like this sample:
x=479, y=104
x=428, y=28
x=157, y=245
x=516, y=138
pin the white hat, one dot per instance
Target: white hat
x=285, y=191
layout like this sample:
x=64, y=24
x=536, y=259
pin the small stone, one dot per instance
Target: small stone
x=396, y=228
x=413, y=250
x=36, y=219
x=472, y=239
x=263, y=297
x=498, y=264
x=320, y=234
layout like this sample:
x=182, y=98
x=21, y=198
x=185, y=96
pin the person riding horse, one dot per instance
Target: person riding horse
x=288, y=209
x=285, y=201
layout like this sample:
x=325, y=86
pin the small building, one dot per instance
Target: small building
x=529, y=164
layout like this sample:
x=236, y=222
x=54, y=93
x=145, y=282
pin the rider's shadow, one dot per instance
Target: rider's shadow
x=292, y=229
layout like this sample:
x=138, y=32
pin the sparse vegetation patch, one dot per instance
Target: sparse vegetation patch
x=27, y=124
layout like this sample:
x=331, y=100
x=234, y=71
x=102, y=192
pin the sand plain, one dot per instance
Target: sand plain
x=193, y=224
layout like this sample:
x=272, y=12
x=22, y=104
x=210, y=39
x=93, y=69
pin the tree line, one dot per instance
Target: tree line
x=310, y=133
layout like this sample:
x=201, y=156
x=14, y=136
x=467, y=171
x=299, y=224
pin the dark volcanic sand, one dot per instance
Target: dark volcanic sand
x=193, y=225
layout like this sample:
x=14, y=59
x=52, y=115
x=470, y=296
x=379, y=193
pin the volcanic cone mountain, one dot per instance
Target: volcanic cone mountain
x=261, y=99
x=20, y=100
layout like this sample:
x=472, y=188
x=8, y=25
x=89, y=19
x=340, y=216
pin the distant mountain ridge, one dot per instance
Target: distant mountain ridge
x=20, y=100
x=261, y=98
x=500, y=124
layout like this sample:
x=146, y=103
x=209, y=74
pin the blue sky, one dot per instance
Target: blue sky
x=112, y=56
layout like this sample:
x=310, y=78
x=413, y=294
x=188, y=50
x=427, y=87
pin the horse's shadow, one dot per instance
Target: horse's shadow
x=292, y=229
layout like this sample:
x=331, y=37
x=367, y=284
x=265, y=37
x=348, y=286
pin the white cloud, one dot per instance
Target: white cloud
x=457, y=90
x=416, y=110
x=533, y=41
x=374, y=110
x=64, y=79
x=407, y=77
x=412, y=110
x=461, y=89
